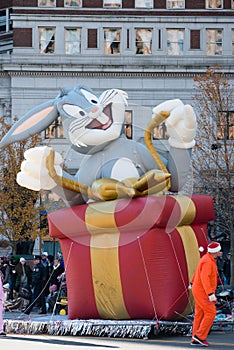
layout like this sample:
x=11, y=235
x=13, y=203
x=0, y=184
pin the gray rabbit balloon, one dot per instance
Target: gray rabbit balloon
x=113, y=166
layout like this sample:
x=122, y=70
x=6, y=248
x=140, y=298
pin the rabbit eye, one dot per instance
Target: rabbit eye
x=73, y=111
x=89, y=96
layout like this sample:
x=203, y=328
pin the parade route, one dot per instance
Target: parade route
x=218, y=340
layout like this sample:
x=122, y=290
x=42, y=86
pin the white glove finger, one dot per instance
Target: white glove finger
x=34, y=170
x=190, y=117
x=32, y=183
x=36, y=154
x=28, y=182
x=167, y=106
x=176, y=115
x=188, y=135
x=39, y=154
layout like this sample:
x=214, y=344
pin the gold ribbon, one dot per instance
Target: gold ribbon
x=187, y=210
x=188, y=237
x=104, y=253
x=192, y=257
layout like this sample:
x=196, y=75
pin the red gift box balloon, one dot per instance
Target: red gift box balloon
x=132, y=259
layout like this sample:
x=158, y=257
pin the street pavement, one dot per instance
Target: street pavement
x=218, y=340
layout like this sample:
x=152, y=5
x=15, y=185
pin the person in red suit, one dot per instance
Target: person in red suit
x=204, y=284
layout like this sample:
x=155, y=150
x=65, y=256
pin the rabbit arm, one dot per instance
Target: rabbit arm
x=62, y=181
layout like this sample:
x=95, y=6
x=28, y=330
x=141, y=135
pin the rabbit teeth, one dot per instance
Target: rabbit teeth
x=103, y=121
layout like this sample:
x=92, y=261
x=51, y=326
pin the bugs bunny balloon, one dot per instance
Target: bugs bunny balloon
x=116, y=166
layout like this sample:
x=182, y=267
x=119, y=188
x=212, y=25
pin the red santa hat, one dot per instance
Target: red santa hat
x=213, y=247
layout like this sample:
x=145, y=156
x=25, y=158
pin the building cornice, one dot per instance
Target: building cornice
x=122, y=12
x=196, y=17
x=133, y=75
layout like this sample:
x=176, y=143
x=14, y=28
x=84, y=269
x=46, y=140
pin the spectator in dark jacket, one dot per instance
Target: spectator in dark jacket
x=38, y=286
x=58, y=269
x=220, y=264
x=10, y=275
x=23, y=275
x=49, y=270
x=227, y=268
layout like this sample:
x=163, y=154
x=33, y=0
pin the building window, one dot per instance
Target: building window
x=195, y=39
x=5, y=21
x=72, y=3
x=171, y=4
x=55, y=130
x=46, y=40
x=225, y=129
x=23, y=37
x=112, y=3
x=46, y=3
x=144, y=4
x=72, y=41
x=128, y=124
x=160, y=132
x=232, y=41
x=175, y=41
x=128, y=38
x=112, y=41
x=92, y=38
x=143, y=41
x=214, y=4
x=159, y=39
x=214, y=42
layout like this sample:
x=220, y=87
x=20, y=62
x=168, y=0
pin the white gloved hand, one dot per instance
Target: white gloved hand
x=212, y=298
x=34, y=174
x=181, y=124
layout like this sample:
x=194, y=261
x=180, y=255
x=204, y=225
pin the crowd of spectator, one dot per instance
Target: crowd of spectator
x=33, y=284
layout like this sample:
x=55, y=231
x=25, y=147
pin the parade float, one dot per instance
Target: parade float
x=129, y=236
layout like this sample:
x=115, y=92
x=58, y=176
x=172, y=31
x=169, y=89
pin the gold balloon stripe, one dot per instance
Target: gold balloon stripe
x=192, y=257
x=104, y=254
x=187, y=210
x=99, y=217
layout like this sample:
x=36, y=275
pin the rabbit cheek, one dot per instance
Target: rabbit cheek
x=76, y=136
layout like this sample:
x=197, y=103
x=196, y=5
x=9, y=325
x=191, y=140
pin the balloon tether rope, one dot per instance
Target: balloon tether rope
x=148, y=281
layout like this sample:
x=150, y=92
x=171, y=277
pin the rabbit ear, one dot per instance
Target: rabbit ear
x=36, y=120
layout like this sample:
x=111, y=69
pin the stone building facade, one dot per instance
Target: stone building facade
x=152, y=49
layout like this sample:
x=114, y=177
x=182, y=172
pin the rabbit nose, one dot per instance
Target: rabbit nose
x=94, y=110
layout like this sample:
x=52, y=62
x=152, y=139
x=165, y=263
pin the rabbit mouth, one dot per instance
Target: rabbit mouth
x=96, y=124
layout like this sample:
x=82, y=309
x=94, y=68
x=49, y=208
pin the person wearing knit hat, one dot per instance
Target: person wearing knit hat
x=44, y=256
x=23, y=276
x=213, y=247
x=204, y=284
